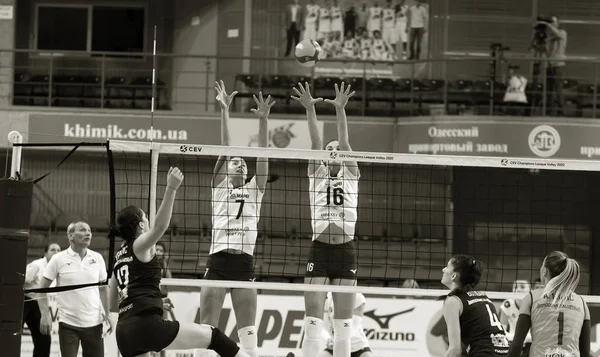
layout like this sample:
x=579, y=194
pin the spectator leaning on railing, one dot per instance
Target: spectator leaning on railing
x=557, y=47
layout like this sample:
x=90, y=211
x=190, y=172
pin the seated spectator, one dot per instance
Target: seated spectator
x=515, y=98
x=381, y=50
x=331, y=47
x=365, y=44
x=350, y=46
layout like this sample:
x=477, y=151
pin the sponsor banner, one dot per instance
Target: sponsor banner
x=501, y=138
x=283, y=134
x=411, y=325
x=244, y=132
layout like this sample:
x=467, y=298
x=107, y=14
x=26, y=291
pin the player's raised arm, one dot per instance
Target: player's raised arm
x=308, y=102
x=224, y=101
x=262, y=110
x=342, y=95
x=148, y=239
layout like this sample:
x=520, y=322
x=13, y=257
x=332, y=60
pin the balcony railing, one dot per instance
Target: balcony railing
x=185, y=83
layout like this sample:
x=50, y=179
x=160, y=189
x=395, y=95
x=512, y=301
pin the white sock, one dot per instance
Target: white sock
x=249, y=340
x=341, y=338
x=312, y=336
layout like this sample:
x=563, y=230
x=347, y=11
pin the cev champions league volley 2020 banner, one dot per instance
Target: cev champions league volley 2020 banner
x=410, y=327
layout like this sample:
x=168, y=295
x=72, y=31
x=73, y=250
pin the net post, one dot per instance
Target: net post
x=15, y=209
x=15, y=137
x=153, y=183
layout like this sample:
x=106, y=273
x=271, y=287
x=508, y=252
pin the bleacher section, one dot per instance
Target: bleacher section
x=374, y=96
x=405, y=96
x=87, y=91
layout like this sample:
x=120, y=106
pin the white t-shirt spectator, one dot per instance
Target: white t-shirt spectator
x=418, y=17
x=515, y=91
x=81, y=307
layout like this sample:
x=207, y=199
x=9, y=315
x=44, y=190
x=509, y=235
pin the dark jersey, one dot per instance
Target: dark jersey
x=138, y=284
x=481, y=330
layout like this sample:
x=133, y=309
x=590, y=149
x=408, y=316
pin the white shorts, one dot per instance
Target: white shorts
x=373, y=26
x=401, y=31
x=310, y=32
x=389, y=35
x=325, y=26
x=337, y=26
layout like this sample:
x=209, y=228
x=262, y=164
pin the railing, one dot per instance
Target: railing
x=452, y=86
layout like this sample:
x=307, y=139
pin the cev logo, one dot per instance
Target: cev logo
x=544, y=141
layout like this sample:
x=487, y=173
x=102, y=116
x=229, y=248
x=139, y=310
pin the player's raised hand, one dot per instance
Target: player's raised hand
x=174, y=178
x=223, y=98
x=342, y=95
x=263, y=107
x=304, y=96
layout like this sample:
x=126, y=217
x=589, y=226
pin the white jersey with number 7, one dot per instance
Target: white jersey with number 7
x=556, y=331
x=333, y=199
x=236, y=212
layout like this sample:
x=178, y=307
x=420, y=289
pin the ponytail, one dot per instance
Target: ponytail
x=469, y=270
x=564, y=284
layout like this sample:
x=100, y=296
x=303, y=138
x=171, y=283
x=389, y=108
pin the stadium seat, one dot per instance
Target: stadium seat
x=118, y=95
x=69, y=91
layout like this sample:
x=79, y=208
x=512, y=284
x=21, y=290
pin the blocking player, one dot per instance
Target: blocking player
x=359, y=342
x=470, y=315
x=559, y=319
x=236, y=203
x=333, y=190
x=135, y=292
x=509, y=313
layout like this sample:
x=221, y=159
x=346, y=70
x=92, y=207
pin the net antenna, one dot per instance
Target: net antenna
x=153, y=153
x=15, y=137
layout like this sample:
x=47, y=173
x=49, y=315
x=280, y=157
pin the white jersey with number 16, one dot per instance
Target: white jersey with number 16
x=333, y=199
x=235, y=216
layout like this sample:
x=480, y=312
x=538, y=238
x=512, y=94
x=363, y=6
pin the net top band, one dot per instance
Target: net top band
x=359, y=156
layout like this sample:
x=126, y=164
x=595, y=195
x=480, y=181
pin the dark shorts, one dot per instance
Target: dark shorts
x=353, y=354
x=145, y=333
x=227, y=266
x=333, y=261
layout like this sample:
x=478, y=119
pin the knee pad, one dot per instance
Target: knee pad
x=222, y=344
x=312, y=327
x=342, y=329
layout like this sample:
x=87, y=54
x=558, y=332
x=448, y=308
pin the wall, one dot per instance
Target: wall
x=7, y=38
x=193, y=77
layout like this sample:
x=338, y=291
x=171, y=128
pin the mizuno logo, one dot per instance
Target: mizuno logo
x=313, y=322
x=384, y=320
x=353, y=271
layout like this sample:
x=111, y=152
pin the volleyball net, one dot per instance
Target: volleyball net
x=414, y=212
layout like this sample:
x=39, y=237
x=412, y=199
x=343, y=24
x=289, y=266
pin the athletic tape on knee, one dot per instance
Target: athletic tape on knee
x=342, y=329
x=249, y=340
x=222, y=344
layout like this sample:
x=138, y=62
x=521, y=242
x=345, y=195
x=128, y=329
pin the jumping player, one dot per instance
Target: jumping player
x=236, y=204
x=470, y=316
x=333, y=198
x=559, y=319
x=135, y=293
x=509, y=313
x=359, y=342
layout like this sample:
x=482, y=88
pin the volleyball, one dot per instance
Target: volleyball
x=307, y=53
